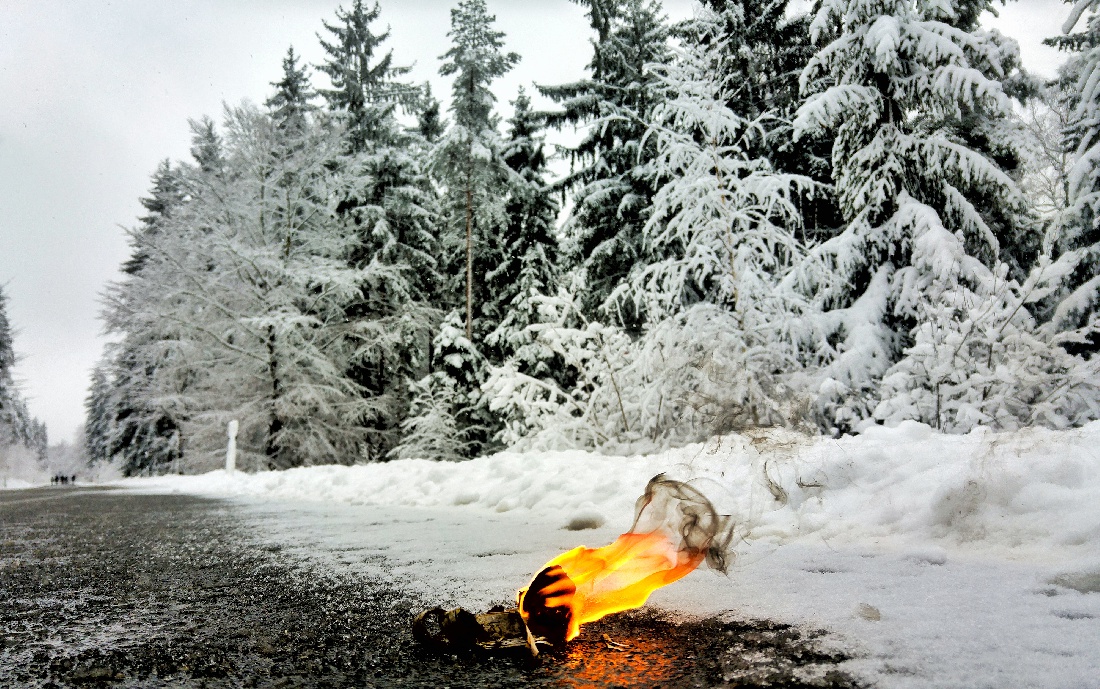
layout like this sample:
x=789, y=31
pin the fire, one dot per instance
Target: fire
x=675, y=529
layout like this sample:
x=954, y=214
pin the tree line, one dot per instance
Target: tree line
x=23, y=438
x=861, y=214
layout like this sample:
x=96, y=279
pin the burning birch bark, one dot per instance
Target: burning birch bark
x=676, y=528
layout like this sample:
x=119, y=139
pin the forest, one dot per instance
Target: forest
x=822, y=218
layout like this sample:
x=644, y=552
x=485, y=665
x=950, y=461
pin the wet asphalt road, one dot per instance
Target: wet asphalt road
x=106, y=588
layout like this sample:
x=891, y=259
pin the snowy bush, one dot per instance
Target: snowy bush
x=687, y=377
x=978, y=356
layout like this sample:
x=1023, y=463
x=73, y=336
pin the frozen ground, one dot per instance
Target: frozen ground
x=947, y=561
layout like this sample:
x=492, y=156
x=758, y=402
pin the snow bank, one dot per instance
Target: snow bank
x=17, y=484
x=1033, y=491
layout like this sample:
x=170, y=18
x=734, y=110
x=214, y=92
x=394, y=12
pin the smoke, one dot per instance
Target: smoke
x=688, y=519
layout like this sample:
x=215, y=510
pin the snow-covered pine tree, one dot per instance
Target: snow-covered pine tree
x=448, y=418
x=291, y=104
x=17, y=426
x=992, y=133
x=469, y=162
x=716, y=352
x=142, y=433
x=922, y=319
x=589, y=411
x=99, y=417
x=430, y=124
x=364, y=82
x=529, y=273
x=389, y=203
x=395, y=217
x=611, y=177
x=1079, y=233
x=10, y=424
x=767, y=43
x=977, y=355
x=529, y=247
x=207, y=146
x=164, y=195
x=469, y=165
x=725, y=226
x=890, y=65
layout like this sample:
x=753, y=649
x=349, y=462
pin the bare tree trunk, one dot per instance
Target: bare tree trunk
x=275, y=424
x=469, y=262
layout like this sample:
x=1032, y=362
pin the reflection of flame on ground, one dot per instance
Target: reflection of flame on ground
x=675, y=529
x=642, y=649
x=644, y=662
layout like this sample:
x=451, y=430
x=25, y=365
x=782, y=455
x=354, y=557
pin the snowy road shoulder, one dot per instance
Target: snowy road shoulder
x=953, y=561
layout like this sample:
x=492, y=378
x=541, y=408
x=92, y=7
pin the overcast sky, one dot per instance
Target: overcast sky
x=96, y=92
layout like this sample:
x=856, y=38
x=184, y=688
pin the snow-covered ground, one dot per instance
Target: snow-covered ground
x=946, y=561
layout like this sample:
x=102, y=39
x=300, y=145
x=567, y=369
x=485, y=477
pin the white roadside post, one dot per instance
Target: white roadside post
x=231, y=450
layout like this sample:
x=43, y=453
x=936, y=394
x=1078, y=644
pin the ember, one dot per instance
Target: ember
x=675, y=529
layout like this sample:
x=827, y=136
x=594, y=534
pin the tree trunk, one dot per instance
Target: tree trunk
x=275, y=424
x=469, y=263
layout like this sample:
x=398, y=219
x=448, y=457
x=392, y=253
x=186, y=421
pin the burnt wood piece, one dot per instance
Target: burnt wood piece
x=496, y=630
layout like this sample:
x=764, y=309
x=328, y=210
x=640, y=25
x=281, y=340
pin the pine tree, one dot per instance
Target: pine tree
x=1079, y=232
x=388, y=203
x=716, y=351
x=991, y=133
x=290, y=104
x=924, y=315
x=469, y=159
x=99, y=417
x=145, y=407
x=10, y=422
x=142, y=425
x=206, y=145
x=888, y=67
x=725, y=226
x=395, y=218
x=530, y=245
x=448, y=419
x=364, y=85
x=430, y=123
x=17, y=426
x=468, y=162
x=165, y=194
x=611, y=178
x=765, y=44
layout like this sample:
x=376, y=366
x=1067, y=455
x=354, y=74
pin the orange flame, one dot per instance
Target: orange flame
x=586, y=584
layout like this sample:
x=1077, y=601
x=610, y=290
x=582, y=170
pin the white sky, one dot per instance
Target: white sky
x=96, y=93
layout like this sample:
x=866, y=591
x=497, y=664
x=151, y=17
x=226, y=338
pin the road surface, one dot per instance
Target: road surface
x=102, y=587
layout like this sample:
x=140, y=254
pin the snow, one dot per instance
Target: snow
x=936, y=560
x=17, y=484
